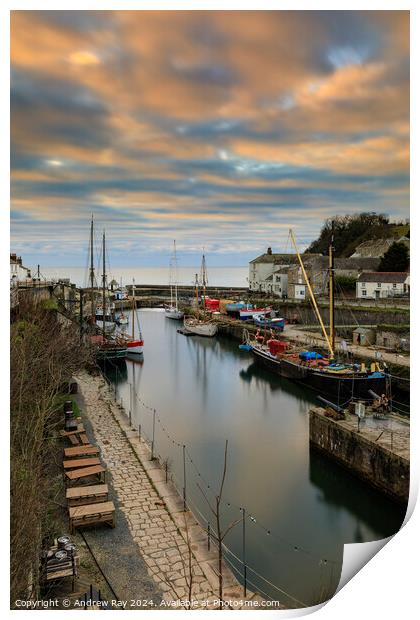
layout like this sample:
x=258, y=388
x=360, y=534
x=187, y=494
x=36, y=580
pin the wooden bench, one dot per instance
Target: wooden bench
x=86, y=472
x=80, y=496
x=81, y=451
x=75, y=463
x=93, y=514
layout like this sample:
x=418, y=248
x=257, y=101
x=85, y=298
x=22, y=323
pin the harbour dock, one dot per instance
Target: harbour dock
x=379, y=455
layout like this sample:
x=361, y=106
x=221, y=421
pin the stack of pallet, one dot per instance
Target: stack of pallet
x=88, y=503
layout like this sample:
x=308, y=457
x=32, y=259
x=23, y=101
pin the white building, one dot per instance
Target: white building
x=268, y=273
x=18, y=272
x=377, y=284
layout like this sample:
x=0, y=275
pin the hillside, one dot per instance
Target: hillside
x=352, y=230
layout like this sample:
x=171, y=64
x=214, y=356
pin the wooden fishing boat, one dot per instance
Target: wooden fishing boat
x=325, y=375
x=200, y=325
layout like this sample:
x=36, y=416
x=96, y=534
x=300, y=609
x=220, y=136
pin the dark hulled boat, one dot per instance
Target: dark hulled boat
x=340, y=382
x=330, y=383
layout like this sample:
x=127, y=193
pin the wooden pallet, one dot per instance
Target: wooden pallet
x=75, y=463
x=86, y=472
x=91, y=515
x=78, y=450
x=77, y=437
x=81, y=496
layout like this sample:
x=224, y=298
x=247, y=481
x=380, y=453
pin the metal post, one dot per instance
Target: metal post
x=131, y=399
x=184, y=492
x=208, y=536
x=243, y=549
x=153, y=435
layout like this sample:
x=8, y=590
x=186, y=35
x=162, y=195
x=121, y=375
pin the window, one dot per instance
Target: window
x=364, y=292
x=378, y=284
x=394, y=285
x=363, y=284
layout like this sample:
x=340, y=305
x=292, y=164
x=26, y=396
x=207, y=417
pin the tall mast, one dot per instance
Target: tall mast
x=92, y=271
x=133, y=302
x=175, y=278
x=331, y=286
x=103, y=284
x=171, y=269
x=203, y=278
x=196, y=289
x=324, y=331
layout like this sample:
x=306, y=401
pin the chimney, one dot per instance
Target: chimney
x=269, y=251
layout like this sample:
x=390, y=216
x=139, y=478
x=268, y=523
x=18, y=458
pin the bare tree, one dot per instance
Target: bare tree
x=220, y=533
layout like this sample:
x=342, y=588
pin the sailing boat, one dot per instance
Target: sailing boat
x=325, y=375
x=195, y=325
x=100, y=314
x=133, y=345
x=107, y=348
x=172, y=311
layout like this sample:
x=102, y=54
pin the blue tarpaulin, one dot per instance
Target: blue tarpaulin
x=310, y=355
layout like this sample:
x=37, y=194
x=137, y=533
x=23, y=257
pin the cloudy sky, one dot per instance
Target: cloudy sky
x=219, y=129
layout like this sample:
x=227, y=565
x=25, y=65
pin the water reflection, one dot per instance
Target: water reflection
x=371, y=509
x=206, y=391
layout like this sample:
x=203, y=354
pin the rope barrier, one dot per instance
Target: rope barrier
x=253, y=519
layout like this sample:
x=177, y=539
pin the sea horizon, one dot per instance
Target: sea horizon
x=217, y=276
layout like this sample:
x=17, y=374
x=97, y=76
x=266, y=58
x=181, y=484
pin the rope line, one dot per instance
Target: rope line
x=253, y=519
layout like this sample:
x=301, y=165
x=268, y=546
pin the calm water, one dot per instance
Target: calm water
x=218, y=276
x=205, y=391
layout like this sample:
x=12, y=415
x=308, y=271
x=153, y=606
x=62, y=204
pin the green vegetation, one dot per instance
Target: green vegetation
x=49, y=304
x=396, y=329
x=59, y=401
x=45, y=353
x=351, y=230
x=396, y=258
x=345, y=283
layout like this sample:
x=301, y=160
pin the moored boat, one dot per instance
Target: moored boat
x=325, y=375
x=200, y=328
x=251, y=313
x=198, y=325
x=172, y=311
x=133, y=344
x=275, y=323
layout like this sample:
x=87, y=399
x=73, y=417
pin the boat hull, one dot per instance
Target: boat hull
x=244, y=315
x=201, y=329
x=176, y=315
x=135, y=347
x=339, y=389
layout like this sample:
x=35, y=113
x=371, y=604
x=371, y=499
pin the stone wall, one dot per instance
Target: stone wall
x=377, y=464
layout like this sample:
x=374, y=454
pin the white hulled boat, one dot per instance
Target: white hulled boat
x=196, y=325
x=172, y=311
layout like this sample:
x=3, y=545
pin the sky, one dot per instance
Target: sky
x=218, y=129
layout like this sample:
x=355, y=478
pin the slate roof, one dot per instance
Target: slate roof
x=386, y=277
